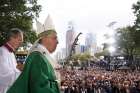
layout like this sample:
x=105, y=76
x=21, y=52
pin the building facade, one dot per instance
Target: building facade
x=70, y=36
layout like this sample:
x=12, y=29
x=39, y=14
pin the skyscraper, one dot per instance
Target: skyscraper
x=90, y=43
x=80, y=49
x=70, y=36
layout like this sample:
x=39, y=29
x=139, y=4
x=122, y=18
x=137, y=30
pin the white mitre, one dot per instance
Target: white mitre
x=48, y=25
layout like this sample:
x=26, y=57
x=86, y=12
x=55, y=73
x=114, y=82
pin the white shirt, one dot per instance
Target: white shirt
x=8, y=70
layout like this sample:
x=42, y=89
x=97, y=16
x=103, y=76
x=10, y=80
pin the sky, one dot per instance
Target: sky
x=87, y=16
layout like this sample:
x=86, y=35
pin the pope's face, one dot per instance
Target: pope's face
x=51, y=42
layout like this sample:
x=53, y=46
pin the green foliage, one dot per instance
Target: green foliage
x=30, y=36
x=81, y=57
x=127, y=40
x=105, y=46
x=103, y=53
x=136, y=8
x=18, y=13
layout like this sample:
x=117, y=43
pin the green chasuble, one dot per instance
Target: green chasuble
x=38, y=76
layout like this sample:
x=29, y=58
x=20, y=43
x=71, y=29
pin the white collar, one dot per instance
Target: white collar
x=40, y=48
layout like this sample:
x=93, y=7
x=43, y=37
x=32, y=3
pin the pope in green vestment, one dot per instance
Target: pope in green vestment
x=38, y=75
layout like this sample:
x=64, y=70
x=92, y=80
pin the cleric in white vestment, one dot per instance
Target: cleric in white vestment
x=8, y=63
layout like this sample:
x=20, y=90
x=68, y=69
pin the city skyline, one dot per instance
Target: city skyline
x=87, y=15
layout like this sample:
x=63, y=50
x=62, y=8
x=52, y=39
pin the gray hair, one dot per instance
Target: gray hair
x=13, y=33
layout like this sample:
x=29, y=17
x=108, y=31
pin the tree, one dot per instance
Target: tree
x=136, y=8
x=30, y=36
x=103, y=53
x=81, y=56
x=127, y=41
x=18, y=13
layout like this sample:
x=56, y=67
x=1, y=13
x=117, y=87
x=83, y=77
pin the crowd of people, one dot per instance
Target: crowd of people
x=99, y=81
